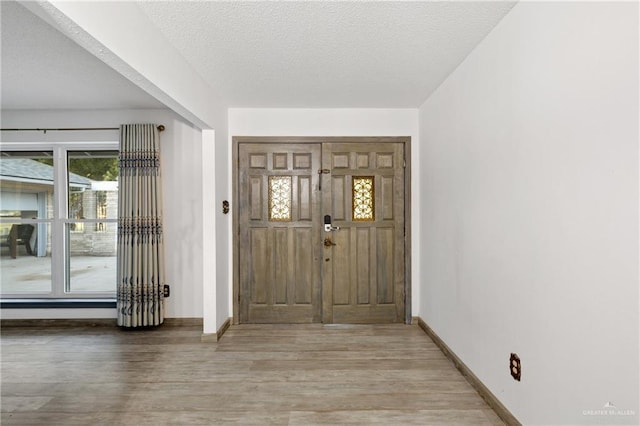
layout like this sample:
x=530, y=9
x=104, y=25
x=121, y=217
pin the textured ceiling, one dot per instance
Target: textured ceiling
x=259, y=54
x=325, y=54
x=43, y=69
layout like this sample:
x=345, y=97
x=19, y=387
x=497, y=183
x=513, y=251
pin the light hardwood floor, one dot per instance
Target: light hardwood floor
x=266, y=374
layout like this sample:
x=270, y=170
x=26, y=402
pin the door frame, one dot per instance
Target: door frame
x=405, y=140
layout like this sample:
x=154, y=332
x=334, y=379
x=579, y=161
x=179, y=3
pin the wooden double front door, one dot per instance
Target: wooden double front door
x=321, y=233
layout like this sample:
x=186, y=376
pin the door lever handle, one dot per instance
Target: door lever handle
x=328, y=242
x=328, y=227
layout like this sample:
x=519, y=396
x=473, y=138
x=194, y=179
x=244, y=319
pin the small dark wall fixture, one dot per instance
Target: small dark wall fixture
x=225, y=207
x=515, y=366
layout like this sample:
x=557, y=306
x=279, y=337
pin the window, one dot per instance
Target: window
x=91, y=254
x=58, y=221
x=363, y=198
x=280, y=198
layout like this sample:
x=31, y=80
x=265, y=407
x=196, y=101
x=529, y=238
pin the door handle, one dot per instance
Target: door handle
x=328, y=242
x=328, y=227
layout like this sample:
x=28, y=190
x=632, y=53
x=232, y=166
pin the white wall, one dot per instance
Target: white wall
x=181, y=145
x=216, y=258
x=529, y=174
x=332, y=122
x=223, y=277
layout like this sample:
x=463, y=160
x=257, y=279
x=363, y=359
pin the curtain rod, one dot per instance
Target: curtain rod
x=70, y=129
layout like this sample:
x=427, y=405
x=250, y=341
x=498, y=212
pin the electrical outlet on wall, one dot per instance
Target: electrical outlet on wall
x=515, y=366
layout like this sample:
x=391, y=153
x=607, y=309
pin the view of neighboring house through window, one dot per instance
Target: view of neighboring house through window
x=26, y=213
x=58, y=222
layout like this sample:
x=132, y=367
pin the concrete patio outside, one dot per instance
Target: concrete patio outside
x=30, y=274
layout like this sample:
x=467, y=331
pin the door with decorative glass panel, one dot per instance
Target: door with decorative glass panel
x=321, y=233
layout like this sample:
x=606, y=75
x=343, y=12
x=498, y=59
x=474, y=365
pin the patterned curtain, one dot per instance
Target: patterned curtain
x=140, y=243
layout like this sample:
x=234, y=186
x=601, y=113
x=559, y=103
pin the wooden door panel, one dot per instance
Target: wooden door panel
x=363, y=274
x=340, y=160
x=340, y=273
x=304, y=266
x=339, y=197
x=304, y=190
x=365, y=314
x=363, y=265
x=386, y=197
x=279, y=218
x=385, y=265
x=259, y=264
x=255, y=197
x=281, y=272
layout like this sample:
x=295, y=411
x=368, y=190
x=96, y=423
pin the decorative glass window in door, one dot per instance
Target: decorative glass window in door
x=280, y=198
x=363, y=196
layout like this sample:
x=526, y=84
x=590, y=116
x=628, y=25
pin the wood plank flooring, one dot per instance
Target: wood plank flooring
x=257, y=374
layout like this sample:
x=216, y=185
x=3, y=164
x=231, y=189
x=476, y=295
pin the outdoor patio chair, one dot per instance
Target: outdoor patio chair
x=19, y=235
